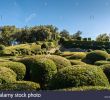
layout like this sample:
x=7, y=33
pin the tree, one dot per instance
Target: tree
x=64, y=33
x=103, y=37
x=77, y=35
x=41, y=33
x=6, y=33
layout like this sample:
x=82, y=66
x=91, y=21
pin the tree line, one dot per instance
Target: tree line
x=40, y=33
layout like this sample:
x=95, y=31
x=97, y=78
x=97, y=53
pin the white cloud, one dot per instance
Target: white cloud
x=30, y=17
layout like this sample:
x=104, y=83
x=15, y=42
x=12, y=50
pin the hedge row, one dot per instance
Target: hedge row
x=95, y=45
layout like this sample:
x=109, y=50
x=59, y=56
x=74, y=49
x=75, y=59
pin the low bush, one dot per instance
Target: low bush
x=44, y=46
x=74, y=55
x=7, y=75
x=86, y=88
x=77, y=62
x=40, y=70
x=78, y=76
x=2, y=47
x=57, y=52
x=106, y=70
x=60, y=62
x=17, y=67
x=96, y=56
x=108, y=59
x=20, y=86
x=101, y=62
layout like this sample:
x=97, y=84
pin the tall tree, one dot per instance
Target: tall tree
x=64, y=33
x=103, y=37
x=77, y=35
x=6, y=33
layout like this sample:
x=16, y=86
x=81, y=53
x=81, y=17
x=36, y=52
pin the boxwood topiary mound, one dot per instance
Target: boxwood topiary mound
x=96, y=56
x=78, y=76
x=60, y=62
x=87, y=88
x=7, y=75
x=40, y=70
x=106, y=70
x=101, y=62
x=20, y=86
x=17, y=67
x=77, y=62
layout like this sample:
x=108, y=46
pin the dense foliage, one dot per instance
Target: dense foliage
x=20, y=86
x=17, y=67
x=96, y=56
x=79, y=76
x=7, y=75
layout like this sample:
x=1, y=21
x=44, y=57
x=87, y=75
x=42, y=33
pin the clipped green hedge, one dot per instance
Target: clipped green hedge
x=7, y=75
x=86, y=88
x=77, y=62
x=101, y=62
x=106, y=70
x=96, y=56
x=17, y=67
x=2, y=47
x=40, y=70
x=60, y=62
x=74, y=55
x=20, y=86
x=78, y=76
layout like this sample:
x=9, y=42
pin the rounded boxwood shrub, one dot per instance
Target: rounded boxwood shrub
x=57, y=52
x=77, y=62
x=78, y=76
x=87, y=88
x=7, y=75
x=40, y=70
x=17, y=67
x=20, y=86
x=108, y=59
x=77, y=56
x=44, y=46
x=106, y=70
x=96, y=56
x=60, y=62
x=2, y=47
x=101, y=62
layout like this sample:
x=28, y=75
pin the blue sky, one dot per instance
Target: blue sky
x=92, y=17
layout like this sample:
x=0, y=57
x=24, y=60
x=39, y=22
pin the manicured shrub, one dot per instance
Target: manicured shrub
x=87, y=88
x=7, y=75
x=44, y=46
x=77, y=62
x=101, y=62
x=20, y=86
x=77, y=55
x=40, y=70
x=78, y=76
x=17, y=67
x=57, y=52
x=106, y=70
x=96, y=56
x=59, y=61
x=108, y=59
x=2, y=47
